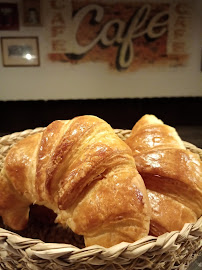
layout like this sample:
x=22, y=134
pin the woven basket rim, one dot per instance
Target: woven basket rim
x=122, y=253
x=97, y=255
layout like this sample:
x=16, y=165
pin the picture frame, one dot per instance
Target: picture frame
x=20, y=51
x=32, y=12
x=9, y=16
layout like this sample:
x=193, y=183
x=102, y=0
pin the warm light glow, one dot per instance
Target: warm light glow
x=28, y=56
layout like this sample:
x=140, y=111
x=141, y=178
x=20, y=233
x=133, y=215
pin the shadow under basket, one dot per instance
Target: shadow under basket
x=48, y=246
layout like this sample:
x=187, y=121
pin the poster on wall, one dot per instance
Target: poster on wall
x=32, y=15
x=126, y=35
x=9, y=17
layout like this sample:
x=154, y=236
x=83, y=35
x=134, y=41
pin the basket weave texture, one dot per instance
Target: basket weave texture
x=42, y=247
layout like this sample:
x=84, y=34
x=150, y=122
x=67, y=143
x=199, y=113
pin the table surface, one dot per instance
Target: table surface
x=197, y=264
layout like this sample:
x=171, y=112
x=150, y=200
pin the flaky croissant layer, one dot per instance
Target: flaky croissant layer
x=172, y=174
x=85, y=173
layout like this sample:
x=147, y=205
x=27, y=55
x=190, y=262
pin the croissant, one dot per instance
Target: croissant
x=85, y=173
x=172, y=174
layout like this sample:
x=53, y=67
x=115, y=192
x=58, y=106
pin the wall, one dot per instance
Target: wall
x=94, y=80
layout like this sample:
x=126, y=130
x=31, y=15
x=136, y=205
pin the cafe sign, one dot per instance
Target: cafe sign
x=127, y=35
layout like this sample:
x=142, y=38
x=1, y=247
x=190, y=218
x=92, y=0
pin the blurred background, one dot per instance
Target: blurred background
x=114, y=59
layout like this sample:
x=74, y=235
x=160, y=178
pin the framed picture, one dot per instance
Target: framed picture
x=20, y=51
x=9, y=18
x=32, y=15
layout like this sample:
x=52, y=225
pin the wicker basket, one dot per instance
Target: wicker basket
x=175, y=250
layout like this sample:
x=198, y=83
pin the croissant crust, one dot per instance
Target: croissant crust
x=172, y=174
x=85, y=173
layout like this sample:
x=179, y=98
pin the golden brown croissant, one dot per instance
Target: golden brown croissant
x=172, y=174
x=82, y=171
